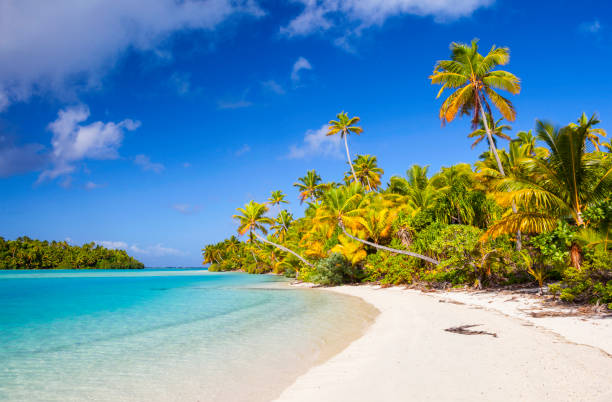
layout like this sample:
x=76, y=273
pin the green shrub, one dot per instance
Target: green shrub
x=592, y=283
x=333, y=270
x=390, y=269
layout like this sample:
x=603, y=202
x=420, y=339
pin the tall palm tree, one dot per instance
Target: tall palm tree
x=497, y=129
x=277, y=197
x=345, y=125
x=560, y=186
x=252, y=219
x=474, y=79
x=345, y=207
x=367, y=172
x=309, y=186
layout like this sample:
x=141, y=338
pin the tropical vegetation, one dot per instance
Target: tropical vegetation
x=535, y=208
x=26, y=253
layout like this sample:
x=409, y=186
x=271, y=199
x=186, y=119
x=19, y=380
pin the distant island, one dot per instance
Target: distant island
x=26, y=253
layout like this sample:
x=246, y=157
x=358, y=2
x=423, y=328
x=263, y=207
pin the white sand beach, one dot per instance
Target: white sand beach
x=407, y=355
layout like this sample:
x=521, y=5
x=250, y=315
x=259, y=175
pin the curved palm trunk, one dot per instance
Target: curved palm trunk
x=348, y=156
x=391, y=250
x=519, y=243
x=284, y=249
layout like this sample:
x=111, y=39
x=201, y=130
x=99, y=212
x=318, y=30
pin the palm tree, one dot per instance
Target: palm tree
x=345, y=125
x=593, y=133
x=497, y=129
x=475, y=81
x=309, y=186
x=560, y=186
x=344, y=207
x=367, y=172
x=281, y=224
x=276, y=198
x=252, y=219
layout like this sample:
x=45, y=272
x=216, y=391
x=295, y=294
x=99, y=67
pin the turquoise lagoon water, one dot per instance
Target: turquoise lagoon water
x=164, y=335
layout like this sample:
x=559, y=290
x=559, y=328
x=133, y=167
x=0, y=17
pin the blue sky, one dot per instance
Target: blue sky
x=143, y=126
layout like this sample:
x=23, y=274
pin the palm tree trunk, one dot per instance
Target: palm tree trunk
x=519, y=243
x=284, y=249
x=348, y=156
x=391, y=250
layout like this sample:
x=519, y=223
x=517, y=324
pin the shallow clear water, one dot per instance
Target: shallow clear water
x=162, y=335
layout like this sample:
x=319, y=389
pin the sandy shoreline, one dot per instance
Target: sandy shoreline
x=407, y=355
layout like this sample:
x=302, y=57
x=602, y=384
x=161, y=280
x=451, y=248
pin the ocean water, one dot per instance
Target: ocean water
x=164, y=335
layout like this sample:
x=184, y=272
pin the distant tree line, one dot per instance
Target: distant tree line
x=26, y=253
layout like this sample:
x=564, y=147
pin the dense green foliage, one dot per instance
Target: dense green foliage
x=26, y=253
x=537, y=211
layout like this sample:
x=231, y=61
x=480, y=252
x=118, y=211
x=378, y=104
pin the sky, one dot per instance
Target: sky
x=144, y=125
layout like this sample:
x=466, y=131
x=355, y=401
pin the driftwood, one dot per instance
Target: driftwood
x=463, y=330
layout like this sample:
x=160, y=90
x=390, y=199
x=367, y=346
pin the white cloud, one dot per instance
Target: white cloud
x=186, y=209
x=242, y=150
x=112, y=244
x=300, y=64
x=157, y=250
x=273, y=86
x=73, y=141
x=322, y=15
x=51, y=45
x=317, y=143
x=147, y=165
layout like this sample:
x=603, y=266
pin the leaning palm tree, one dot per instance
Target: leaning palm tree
x=345, y=125
x=276, y=198
x=497, y=129
x=560, y=186
x=309, y=186
x=474, y=80
x=345, y=207
x=367, y=172
x=252, y=219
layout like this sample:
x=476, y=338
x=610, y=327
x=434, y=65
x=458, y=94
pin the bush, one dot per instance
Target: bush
x=592, y=283
x=390, y=269
x=333, y=270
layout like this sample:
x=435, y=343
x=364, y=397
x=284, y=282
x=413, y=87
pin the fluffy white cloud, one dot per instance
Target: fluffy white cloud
x=299, y=65
x=48, y=45
x=321, y=15
x=157, y=250
x=147, y=165
x=73, y=141
x=121, y=245
x=317, y=143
